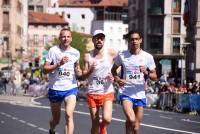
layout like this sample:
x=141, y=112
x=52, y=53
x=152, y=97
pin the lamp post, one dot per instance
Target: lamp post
x=184, y=47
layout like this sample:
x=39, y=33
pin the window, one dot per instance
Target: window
x=6, y=2
x=31, y=8
x=6, y=26
x=155, y=44
x=176, y=44
x=36, y=38
x=39, y=8
x=83, y=16
x=176, y=6
x=83, y=29
x=176, y=25
x=68, y=16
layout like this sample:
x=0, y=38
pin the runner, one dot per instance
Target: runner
x=98, y=64
x=137, y=65
x=62, y=64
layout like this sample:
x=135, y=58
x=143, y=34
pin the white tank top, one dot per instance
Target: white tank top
x=97, y=84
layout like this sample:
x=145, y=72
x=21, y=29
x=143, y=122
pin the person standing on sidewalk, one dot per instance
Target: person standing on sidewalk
x=137, y=65
x=97, y=70
x=62, y=64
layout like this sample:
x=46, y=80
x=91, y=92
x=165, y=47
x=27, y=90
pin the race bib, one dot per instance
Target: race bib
x=133, y=75
x=65, y=74
x=98, y=83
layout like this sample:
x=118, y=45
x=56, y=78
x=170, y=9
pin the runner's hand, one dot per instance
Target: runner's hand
x=110, y=77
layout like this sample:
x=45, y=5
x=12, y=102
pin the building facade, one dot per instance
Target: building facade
x=163, y=31
x=192, y=22
x=13, y=29
x=43, y=28
x=87, y=16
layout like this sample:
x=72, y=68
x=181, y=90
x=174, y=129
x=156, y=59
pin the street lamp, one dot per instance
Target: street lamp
x=184, y=47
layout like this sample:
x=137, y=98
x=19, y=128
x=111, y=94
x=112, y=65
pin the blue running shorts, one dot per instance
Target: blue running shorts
x=58, y=96
x=136, y=102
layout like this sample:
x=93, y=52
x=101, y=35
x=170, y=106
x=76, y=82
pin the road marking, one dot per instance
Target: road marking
x=24, y=122
x=188, y=120
x=165, y=117
x=31, y=125
x=43, y=129
x=121, y=120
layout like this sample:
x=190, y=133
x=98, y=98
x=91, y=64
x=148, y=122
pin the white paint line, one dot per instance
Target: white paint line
x=7, y=115
x=22, y=121
x=31, y=125
x=14, y=118
x=43, y=129
x=165, y=117
x=169, y=129
x=188, y=120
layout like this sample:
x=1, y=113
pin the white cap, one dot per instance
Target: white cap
x=96, y=32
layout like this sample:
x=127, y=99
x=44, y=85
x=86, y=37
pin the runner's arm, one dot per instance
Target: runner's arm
x=48, y=67
x=117, y=79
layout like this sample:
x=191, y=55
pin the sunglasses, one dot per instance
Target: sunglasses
x=99, y=37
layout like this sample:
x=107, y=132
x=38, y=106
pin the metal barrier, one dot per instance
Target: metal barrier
x=179, y=102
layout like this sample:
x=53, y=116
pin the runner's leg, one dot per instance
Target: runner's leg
x=139, y=112
x=70, y=103
x=94, y=114
x=55, y=110
x=130, y=116
x=107, y=116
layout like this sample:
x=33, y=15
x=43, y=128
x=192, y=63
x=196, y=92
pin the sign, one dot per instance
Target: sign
x=165, y=62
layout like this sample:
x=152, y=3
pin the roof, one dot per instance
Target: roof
x=45, y=18
x=94, y=3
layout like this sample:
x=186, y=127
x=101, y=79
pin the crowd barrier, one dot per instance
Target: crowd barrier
x=179, y=102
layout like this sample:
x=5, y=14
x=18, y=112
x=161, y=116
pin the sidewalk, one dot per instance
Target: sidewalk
x=19, y=100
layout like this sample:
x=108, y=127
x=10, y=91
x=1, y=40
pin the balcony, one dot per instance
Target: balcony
x=6, y=7
x=156, y=11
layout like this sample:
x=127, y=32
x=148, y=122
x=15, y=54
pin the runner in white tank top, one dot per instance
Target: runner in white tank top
x=97, y=81
x=97, y=70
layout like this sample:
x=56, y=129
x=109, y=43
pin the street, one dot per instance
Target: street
x=33, y=119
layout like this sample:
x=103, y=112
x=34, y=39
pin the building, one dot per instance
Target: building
x=43, y=28
x=192, y=23
x=13, y=29
x=89, y=15
x=163, y=31
x=40, y=5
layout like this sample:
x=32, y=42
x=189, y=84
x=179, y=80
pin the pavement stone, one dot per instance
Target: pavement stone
x=19, y=99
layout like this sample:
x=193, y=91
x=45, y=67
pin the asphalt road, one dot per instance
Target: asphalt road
x=24, y=119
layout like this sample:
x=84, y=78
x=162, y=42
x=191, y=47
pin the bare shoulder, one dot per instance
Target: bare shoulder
x=112, y=52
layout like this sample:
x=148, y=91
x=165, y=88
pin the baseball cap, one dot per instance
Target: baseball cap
x=96, y=32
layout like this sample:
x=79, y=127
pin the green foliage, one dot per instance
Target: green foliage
x=79, y=42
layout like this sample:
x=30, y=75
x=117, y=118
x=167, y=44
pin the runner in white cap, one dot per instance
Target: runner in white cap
x=98, y=64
